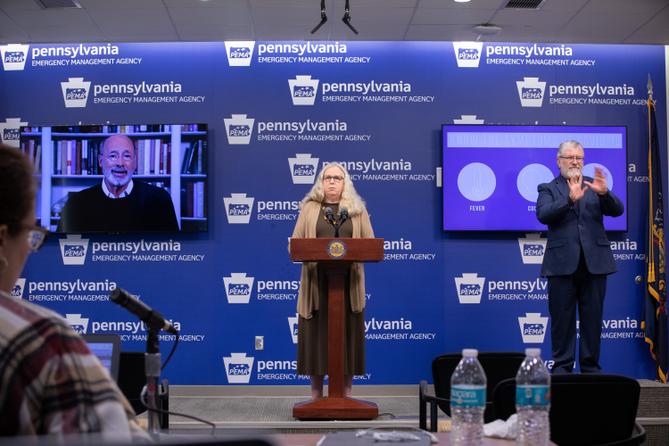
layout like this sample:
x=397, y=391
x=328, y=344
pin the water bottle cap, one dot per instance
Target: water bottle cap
x=470, y=352
x=532, y=352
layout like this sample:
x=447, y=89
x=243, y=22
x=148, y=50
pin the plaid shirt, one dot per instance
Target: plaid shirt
x=50, y=382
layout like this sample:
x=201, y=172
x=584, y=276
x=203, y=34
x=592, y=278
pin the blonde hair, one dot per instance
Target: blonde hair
x=349, y=197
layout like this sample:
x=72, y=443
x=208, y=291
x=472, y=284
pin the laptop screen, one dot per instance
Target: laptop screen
x=107, y=348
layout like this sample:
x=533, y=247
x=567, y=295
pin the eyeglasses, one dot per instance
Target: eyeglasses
x=36, y=236
x=335, y=178
x=127, y=157
x=572, y=158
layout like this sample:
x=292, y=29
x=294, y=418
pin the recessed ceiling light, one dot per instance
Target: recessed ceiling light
x=461, y=1
x=487, y=29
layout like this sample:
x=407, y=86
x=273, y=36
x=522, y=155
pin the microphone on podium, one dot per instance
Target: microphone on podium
x=152, y=319
x=329, y=215
x=343, y=216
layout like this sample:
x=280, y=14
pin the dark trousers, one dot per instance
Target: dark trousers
x=565, y=293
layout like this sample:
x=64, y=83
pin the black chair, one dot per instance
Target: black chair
x=586, y=409
x=131, y=380
x=497, y=366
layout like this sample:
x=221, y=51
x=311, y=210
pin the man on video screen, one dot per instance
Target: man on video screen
x=119, y=203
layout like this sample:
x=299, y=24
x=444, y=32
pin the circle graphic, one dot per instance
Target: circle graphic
x=476, y=181
x=589, y=171
x=530, y=177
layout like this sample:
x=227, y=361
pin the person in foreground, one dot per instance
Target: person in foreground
x=118, y=203
x=333, y=188
x=50, y=383
x=578, y=257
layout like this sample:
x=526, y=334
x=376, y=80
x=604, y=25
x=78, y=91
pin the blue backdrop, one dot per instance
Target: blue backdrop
x=378, y=107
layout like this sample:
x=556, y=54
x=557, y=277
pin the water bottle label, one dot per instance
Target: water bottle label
x=533, y=395
x=467, y=396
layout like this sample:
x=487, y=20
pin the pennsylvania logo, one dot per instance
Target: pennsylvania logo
x=469, y=288
x=533, y=328
x=10, y=131
x=239, y=53
x=238, y=288
x=19, y=286
x=77, y=322
x=303, y=90
x=532, y=249
x=238, y=208
x=14, y=56
x=468, y=54
x=531, y=92
x=303, y=168
x=75, y=92
x=238, y=368
x=239, y=129
x=292, y=325
x=73, y=249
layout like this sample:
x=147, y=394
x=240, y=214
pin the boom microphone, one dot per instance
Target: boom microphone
x=153, y=319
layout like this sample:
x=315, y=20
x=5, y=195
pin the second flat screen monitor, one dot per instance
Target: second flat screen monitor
x=491, y=172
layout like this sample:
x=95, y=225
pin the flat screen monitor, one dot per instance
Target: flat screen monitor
x=491, y=172
x=107, y=348
x=137, y=178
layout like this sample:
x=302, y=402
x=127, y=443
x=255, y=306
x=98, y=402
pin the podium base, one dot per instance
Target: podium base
x=333, y=408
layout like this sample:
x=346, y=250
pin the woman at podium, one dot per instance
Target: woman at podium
x=331, y=202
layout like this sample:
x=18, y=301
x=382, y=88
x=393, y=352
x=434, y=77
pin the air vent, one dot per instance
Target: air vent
x=50, y=4
x=524, y=4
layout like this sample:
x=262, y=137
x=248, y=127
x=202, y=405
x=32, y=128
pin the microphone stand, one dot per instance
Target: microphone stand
x=152, y=365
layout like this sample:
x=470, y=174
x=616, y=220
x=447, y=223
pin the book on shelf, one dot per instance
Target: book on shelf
x=193, y=199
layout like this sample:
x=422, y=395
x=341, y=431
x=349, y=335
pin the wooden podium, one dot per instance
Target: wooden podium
x=335, y=255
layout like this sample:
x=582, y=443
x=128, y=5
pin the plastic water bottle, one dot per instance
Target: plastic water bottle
x=468, y=394
x=533, y=385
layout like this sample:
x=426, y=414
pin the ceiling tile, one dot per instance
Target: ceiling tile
x=49, y=17
x=623, y=7
x=211, y=16
x=474, y=4
x=143, y=24
x=443, y=16
x=286, y=15
x=604, y=27
x=535, y=19
x=121, y=4
x=199, y=32
x=655, y=31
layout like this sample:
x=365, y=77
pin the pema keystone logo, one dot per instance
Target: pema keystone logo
x=238, y=368
x=303, y=168
x=14, y=56
x=238, y=208
x=532, y=248
x=468, y=54
x=75, y=92
x=238, y=288
x=239, y=52
x=533, y=327
x=239, y=129
x=531, y=92
x=73, y=249
x=303, y=90
x=469, y=288
x=77, y=322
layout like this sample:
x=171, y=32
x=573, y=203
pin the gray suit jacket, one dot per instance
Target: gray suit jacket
x=575, y=226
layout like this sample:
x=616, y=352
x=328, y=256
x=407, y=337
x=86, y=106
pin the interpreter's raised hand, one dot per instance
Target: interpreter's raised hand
x=576, y=189
x=598, y=184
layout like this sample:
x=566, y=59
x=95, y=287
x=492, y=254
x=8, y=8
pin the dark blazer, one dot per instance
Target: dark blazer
x=571, y=227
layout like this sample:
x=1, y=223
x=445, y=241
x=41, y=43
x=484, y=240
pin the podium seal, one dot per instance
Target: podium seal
x=336, y=249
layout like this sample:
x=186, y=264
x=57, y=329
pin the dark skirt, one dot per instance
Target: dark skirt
x=312, y=336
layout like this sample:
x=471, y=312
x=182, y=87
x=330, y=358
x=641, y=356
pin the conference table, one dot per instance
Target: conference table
x=313, y=439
